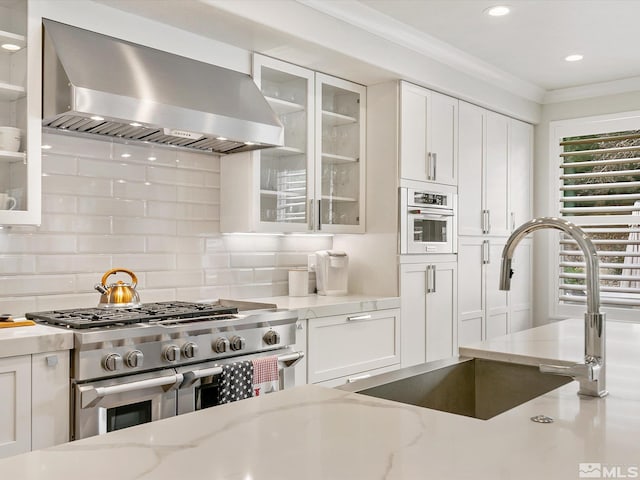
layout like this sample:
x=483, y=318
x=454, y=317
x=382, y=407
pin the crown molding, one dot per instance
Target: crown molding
x=384, y=26
x=602, y=89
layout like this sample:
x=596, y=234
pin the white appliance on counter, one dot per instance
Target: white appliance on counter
x=332, y=272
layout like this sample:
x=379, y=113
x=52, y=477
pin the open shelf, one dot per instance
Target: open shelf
x=338, y=199
x=282, y=152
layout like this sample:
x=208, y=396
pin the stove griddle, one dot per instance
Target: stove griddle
x=81, y=318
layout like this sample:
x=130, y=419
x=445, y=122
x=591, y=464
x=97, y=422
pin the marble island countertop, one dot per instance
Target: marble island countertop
x=27, y=340
x=319, y=433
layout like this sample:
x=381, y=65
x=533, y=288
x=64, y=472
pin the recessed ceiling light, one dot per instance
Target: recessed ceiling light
x=11, y=47
x=573, y=58
x=222, y=139
x=46, y=147
x=97, y=118
x=249, y=143
x=125, y=155
x=151, y=159
x=135, y=124
x=497, y=11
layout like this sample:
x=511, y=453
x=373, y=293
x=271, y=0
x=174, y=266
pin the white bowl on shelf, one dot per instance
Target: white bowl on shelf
x=10, y=139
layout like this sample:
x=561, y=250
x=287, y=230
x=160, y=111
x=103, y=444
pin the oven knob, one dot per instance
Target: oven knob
x=112, y=362
x=220, y=345
x=134, y=358
x=189, y=349
x=171, y=353
x=271, y=337
x=237, y=342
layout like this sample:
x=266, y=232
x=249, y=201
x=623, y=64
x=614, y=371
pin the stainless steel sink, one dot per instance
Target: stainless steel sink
x=465, y=386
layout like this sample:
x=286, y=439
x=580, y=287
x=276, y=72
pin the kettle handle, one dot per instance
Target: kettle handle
x=134, y=279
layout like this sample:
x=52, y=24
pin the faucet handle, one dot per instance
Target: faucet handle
x=579, y=371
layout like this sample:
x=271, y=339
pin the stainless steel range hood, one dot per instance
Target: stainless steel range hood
x=94, y=84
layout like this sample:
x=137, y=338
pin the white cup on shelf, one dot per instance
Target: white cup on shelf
x=10, y=139
x=7, y=202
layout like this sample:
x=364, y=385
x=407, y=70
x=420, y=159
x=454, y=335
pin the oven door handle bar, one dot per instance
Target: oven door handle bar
x=93, y=395
x=290, y=359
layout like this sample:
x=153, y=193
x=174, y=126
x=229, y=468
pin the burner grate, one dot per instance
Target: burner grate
x=82, y=318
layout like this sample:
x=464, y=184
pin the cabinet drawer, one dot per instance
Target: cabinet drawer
x=347, y=344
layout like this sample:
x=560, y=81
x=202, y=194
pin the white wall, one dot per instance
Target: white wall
x=159, y=218
x=543, y=186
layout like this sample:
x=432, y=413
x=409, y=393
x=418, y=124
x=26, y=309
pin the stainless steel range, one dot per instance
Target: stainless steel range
x=135, y=365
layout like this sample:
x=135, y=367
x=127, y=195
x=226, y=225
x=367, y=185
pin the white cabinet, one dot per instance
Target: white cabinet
x=34, y=411
x=20, y=75
x=485, y=311
x=349, y=345
x=301, y=346
x=428, y=297
x=50, y=399
x=15, y=411
x=428, y=135
x=495, y=156
x=316, y=180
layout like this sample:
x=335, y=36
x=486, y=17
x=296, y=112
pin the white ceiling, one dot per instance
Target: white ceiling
x=525, y=49
x=532, y=41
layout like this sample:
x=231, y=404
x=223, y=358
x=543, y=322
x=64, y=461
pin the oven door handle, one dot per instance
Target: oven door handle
x=93, y=395
x=290, y=359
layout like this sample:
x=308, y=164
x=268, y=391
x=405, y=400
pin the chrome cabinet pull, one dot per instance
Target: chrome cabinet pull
x=319, y=214
x=434, y=164
x=428, y=166
x=358, y=317
x=359, y=377
x=485, y=252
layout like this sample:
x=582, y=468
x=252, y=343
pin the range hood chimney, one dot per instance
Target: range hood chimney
x=95, y=84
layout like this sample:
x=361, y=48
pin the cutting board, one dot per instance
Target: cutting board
x=16, y=323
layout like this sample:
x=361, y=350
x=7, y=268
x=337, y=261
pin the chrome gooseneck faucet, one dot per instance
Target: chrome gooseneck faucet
x=591, y=373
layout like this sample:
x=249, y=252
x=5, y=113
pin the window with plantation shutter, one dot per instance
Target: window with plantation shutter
x=600, y=191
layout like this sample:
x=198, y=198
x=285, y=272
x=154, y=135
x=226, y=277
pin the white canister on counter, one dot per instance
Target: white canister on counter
x=298, y=282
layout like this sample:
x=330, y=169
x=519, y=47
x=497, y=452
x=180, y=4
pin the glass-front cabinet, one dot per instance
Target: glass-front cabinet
x=19, y=115
x=339, y=149
x=315, y=181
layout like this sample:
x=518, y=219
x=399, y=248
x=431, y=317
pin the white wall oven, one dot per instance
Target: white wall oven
x=136, y=365
x=427, y=220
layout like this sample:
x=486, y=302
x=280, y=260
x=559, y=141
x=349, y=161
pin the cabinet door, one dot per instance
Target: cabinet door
x=496, y=174
x=471, y=299
x=520, y=172
x=20, y=105
x=286, y=173
x=350, y=344
x=441, y=331
x=413, y=305
x=15, y=407
x=340, y=155
x=50, y=405
x=414, y=108
x=470, y=157
x=443, y=138
x=497, y=311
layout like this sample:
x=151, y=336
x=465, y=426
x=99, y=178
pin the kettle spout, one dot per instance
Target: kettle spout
x=99, y=287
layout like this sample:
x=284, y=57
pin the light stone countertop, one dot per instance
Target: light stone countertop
x=311, y=432
x=32, y=339
x=315, y=306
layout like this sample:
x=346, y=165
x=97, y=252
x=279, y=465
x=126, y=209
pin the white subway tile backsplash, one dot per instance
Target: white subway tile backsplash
x=110, y=244
x=240, y=260
x=60, y=204
x=145, y=263
x=37, y=284
x=115, y=169
x=17, y=264
x=111, y=206
x=72, y=263
x=75, y=223
x=154, y=211
x=144, y=191
x=59, y=164
x=65, y=184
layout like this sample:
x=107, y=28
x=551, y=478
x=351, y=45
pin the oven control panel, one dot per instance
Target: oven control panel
x=428, y=198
